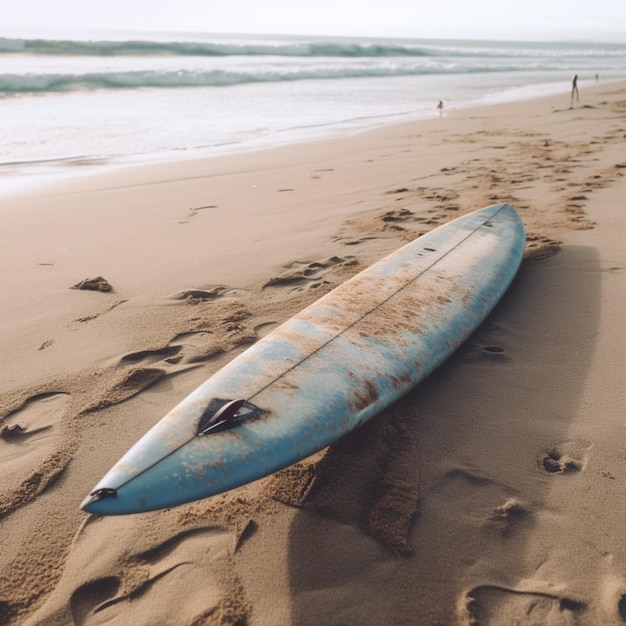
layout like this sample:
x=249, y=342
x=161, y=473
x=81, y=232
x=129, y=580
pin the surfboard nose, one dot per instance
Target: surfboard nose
x=122, y=501
x=93, y=502
x=143, y=491
x=136, y=496
x=102, y=505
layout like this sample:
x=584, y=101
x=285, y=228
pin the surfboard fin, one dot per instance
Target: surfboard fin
x=224, y=414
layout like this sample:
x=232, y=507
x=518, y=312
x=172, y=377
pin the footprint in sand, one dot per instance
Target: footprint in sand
x=491, y=605
x=576, y=215
x=132, y=373
x=350, y=241
x=92, y=595
x=481, y=498
x=396, y=222
x=28, y=437
x=135, y=372
x=123, y=385
x=144, y=587
x=265, y=329
x=211, y=292
x=507, y=516
x=404, y=219
x=186, y=350
x=540, y=248
x=195, y=346
x=168, y=354
x=568, y=457
x=303, y=275
x=398, y=190
x=396, y=219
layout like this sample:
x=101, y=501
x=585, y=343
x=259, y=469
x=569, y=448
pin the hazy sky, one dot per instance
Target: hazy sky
x=597, y=20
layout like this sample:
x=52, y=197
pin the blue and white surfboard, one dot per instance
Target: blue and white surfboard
x=325, y=371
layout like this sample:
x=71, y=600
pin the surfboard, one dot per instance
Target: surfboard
x=328, y=369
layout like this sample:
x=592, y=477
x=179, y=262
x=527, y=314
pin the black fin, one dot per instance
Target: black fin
x=225, y=414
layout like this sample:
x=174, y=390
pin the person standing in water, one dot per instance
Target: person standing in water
x=574, y=90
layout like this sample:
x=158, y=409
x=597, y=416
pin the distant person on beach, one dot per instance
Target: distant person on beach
x=440, y=107
x=574, y=90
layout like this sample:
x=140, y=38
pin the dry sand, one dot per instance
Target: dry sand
x=510, y=460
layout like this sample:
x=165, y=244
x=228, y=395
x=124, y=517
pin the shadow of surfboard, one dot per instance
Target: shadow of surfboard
x=480, y=442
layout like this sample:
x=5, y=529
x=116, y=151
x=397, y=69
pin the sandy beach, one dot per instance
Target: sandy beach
x=511, y=458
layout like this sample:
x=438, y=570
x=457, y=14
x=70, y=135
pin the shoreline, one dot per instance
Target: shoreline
x=26, y=178
x=205, y=256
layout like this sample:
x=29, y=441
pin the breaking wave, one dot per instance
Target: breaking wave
x=211, y=49
x=314, y=48
x=50, y=82
x=49, y=65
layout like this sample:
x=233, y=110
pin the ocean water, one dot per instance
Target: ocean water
x=71, y=103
